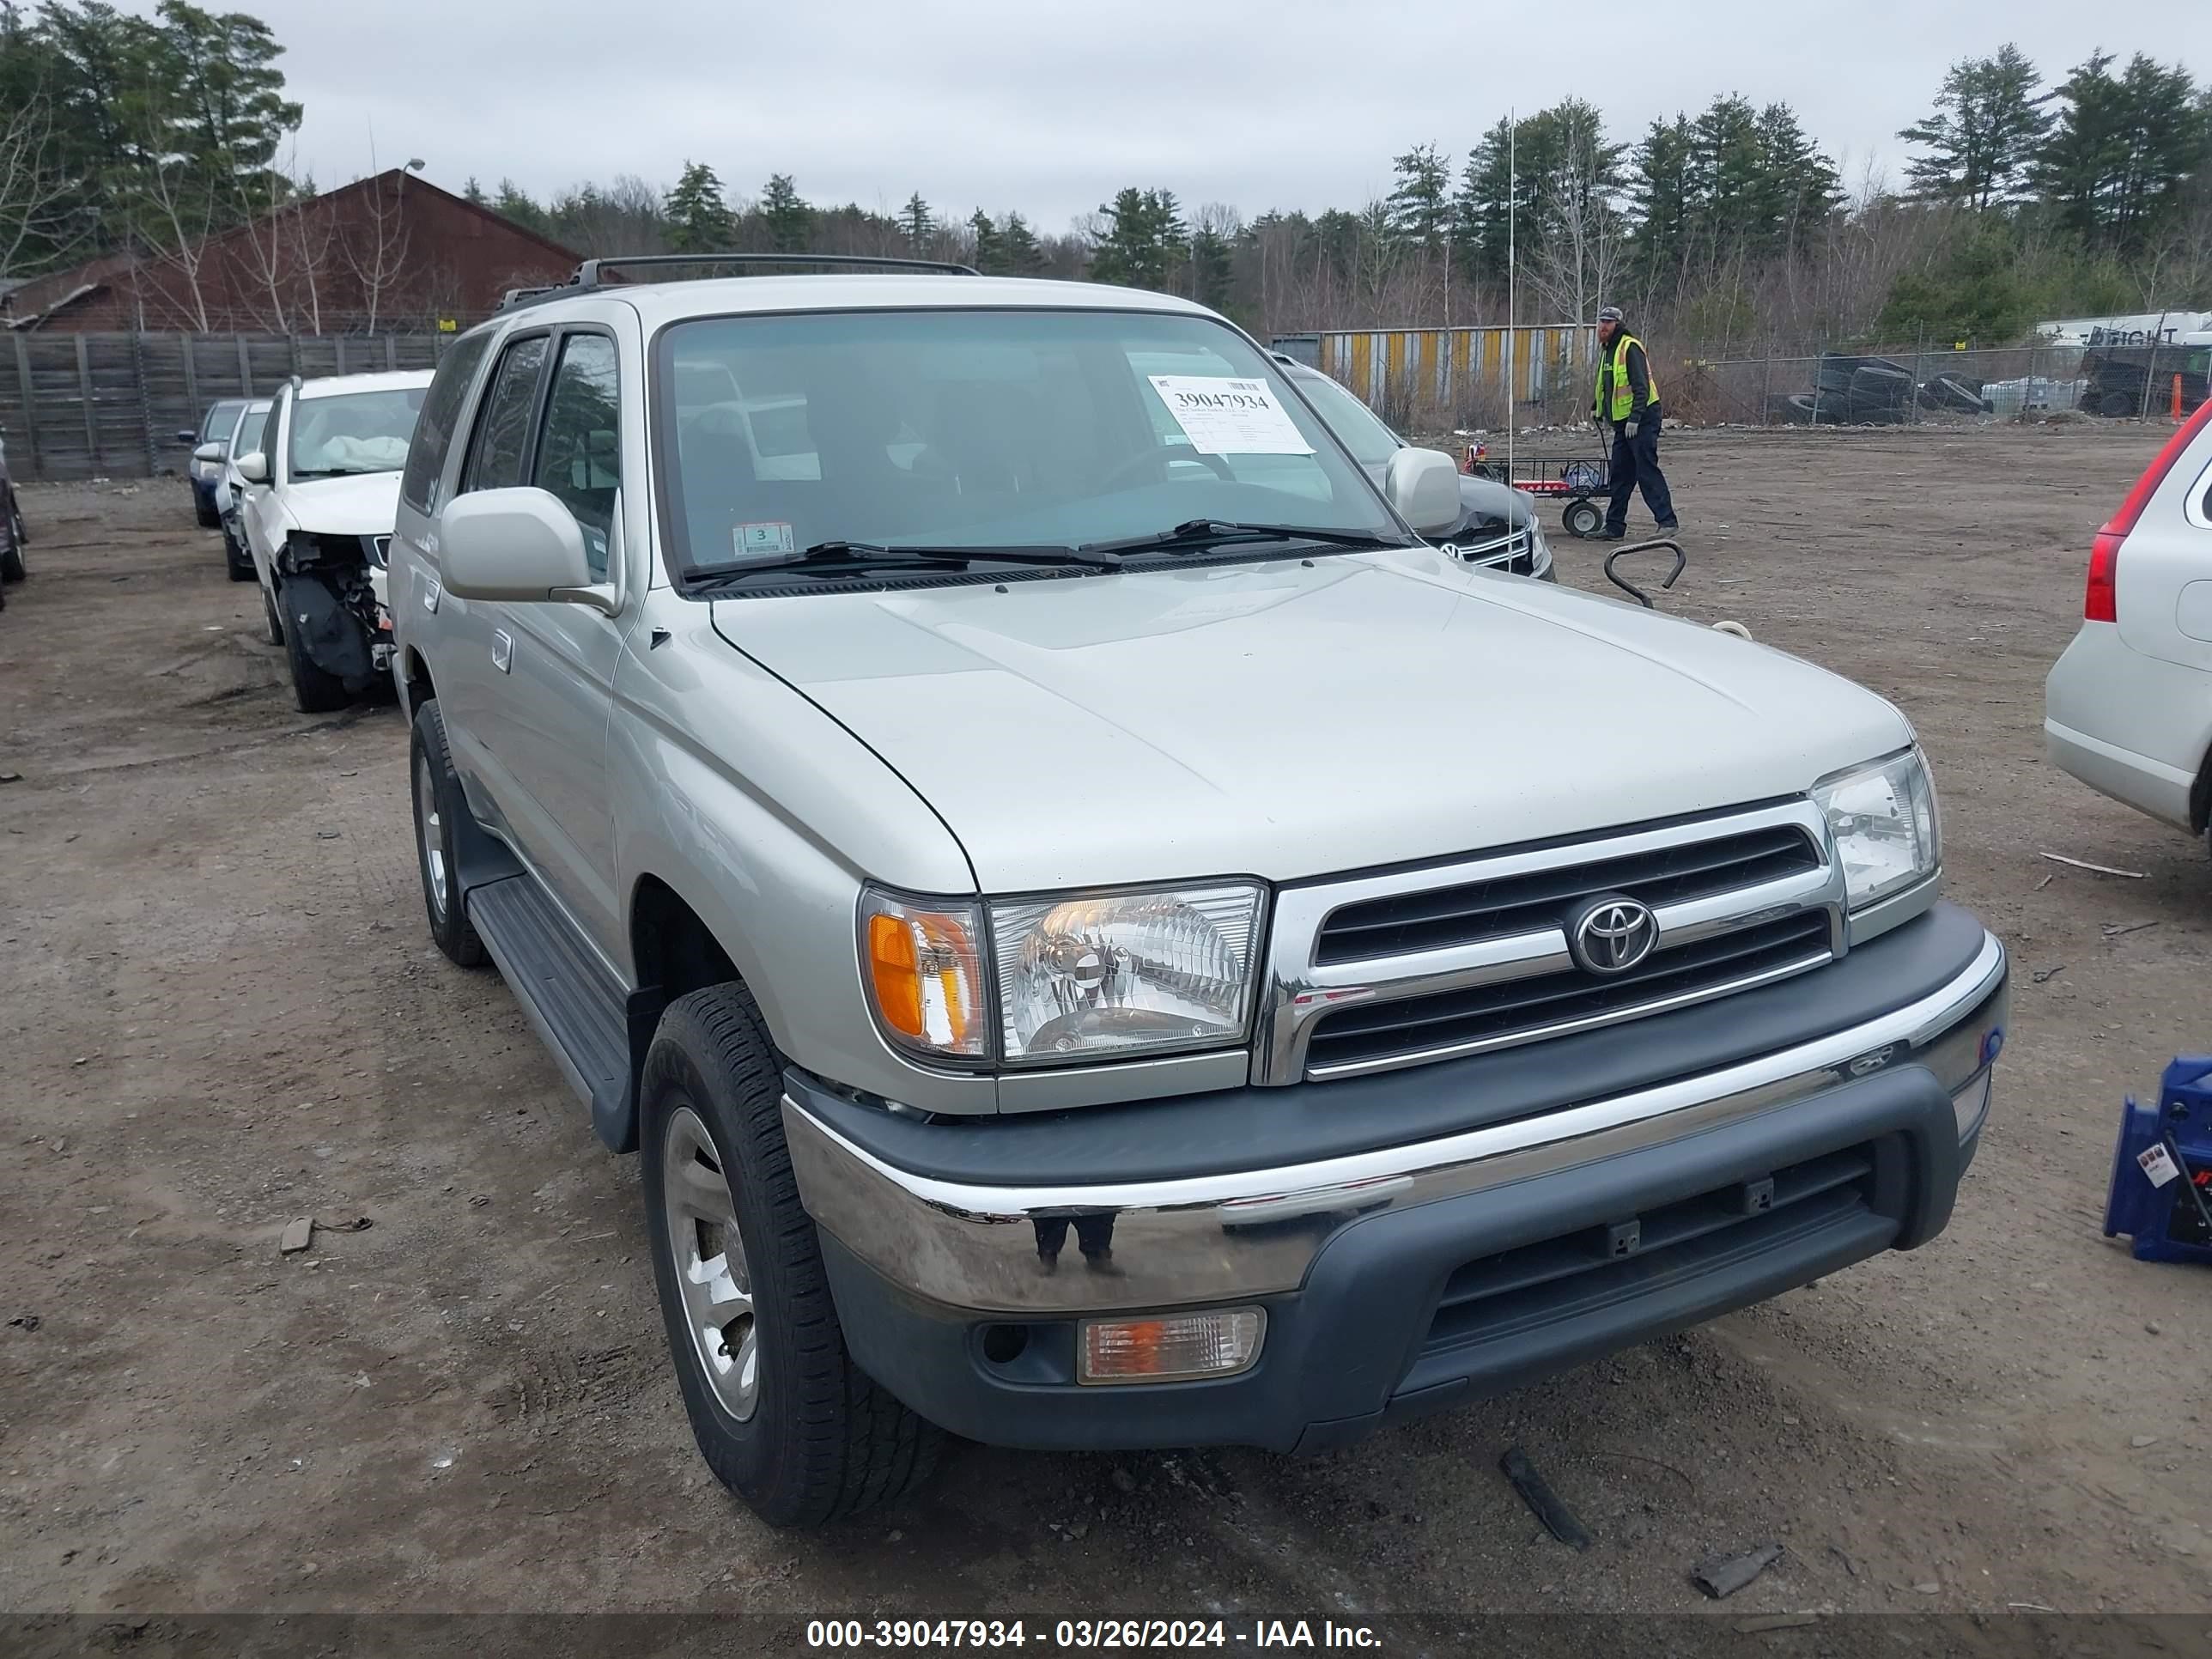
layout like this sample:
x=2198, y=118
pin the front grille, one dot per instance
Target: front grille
x=1519, y=1010
x=1509, y=551
x=1504, y=905
x=1578, y=1274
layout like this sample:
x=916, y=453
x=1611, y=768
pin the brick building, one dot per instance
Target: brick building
x=391, y=252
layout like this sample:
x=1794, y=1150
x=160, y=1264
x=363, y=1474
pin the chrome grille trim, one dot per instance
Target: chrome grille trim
x=1299, y=992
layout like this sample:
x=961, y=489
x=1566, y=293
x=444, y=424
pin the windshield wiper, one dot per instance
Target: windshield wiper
x=1198, y=534
x=839, y=558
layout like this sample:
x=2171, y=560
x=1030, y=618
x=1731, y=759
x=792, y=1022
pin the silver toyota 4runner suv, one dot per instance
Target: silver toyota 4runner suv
x=1103, y=937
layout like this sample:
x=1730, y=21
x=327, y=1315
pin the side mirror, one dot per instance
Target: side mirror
x=253, y=468
x=1423, y=484
x=188, y=437
x=518, y=544
x=212, y=452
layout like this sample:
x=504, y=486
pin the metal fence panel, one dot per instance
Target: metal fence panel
x=76, y=406
x=1429, y=379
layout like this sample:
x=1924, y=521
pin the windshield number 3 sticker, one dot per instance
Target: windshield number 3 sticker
x=1229, y=417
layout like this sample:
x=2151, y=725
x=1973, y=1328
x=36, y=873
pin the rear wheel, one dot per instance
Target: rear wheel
x=236, y=561
x=781, y=1413
x=1583, y=519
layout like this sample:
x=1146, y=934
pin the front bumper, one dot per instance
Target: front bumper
x=1403, y=1278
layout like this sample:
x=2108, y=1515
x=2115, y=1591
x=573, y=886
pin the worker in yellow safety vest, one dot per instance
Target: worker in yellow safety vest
x=1626, y=403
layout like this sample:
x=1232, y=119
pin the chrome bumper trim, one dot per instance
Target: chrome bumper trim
x=1255, y=1232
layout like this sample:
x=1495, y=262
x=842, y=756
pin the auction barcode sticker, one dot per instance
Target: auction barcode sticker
x=2157, y=1163
x=1229, y=417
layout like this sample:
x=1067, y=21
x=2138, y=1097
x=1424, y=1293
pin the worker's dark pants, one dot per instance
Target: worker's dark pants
x=1636, y=463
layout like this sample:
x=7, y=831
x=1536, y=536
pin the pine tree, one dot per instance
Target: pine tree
x=1144, y=241
x=990, y=248
x=473, y=191
x=1019, y=250
x=789, y=220
x=2122, y=152
x=513, y=202
x=226, y=114
x=1486, y=198
x=699, y=220
x=1420, y=205
x=1212, y=267
x=1983, y=133
x=918, y=222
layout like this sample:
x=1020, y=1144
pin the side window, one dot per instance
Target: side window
x=433, y=427
x=495, y=452
x=579, y=452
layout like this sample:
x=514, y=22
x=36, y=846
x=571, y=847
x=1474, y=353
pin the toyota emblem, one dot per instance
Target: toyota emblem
x=1612, y=934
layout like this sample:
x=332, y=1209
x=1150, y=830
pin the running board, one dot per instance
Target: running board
x=581, y=1012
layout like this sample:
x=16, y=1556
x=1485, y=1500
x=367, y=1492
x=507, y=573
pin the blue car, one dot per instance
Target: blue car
x=204, y=472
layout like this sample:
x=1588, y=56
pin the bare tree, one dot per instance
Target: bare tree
x=34, y=191
x=374, y=246
x=1581, y=256
x=173, y=211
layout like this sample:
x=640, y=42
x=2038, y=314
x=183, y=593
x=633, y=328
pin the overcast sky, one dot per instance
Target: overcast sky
x=1049, y=105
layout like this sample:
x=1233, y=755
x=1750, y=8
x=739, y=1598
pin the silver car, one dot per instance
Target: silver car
x=1100, y=933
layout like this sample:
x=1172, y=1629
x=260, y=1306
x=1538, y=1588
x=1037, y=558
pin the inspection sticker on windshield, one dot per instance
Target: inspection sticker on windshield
x=763, y=539
x=2157, y=1163
x=1229, y=417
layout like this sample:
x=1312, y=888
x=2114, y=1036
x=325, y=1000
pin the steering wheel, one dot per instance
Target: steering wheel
x=1157, y=461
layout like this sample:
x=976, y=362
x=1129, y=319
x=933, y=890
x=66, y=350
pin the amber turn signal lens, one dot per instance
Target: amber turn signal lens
x=924, y=976
x=1217, y=1343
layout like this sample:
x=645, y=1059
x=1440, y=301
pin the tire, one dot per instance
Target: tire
x=2116, y=405
x=203, y=511
x=815, y=1437
x=11, y=555
x=439, y=805
x=1581, y=520
x=316, y=691
x=269, y=619
x=237, y=563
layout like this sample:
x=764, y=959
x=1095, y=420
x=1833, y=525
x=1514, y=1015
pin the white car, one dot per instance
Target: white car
x=2128, y=710
x=245, y=438
x=321, y=530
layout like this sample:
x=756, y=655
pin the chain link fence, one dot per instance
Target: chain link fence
x=76, y=406
x=1923, y=387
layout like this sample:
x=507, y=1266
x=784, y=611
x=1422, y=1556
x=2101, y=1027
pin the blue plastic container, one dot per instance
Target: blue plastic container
x=2151, y=1199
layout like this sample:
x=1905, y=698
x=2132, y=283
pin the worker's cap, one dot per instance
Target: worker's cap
x=1609, y=314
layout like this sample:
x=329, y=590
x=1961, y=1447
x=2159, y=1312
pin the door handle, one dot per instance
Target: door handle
x=430, y=591
x=502, y=650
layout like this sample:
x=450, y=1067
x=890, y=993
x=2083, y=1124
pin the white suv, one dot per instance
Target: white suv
x=2128, y=710
x=320, y=531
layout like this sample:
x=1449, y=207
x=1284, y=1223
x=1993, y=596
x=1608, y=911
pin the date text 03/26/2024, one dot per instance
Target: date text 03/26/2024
x=1086, y=1634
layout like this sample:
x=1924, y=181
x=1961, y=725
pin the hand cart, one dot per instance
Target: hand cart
x=1571, y=478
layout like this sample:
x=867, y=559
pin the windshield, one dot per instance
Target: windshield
x=354, y=432
x=219, y=417
x=1370, y=443
x=251, y=425
x=980, y=429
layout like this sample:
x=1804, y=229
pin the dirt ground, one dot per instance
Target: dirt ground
x=220, y=1010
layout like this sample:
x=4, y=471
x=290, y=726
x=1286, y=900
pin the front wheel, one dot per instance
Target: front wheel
x=236, y=561
x=11, y=553
x=439, y=805
x=1583, y=519
x=315, y=689
x=781, y=1413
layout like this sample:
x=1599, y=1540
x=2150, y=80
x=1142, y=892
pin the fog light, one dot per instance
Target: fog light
x=1213, y=1344
x=1972, y=1103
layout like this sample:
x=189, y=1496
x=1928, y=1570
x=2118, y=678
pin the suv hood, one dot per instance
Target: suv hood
x=1289, y=718
x=362, y=504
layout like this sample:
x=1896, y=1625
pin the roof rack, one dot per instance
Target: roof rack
x=588, y=274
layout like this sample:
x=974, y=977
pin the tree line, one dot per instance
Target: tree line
x=1730, y=230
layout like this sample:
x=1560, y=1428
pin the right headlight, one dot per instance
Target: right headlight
x=1073, y=977
x=1883, y=818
